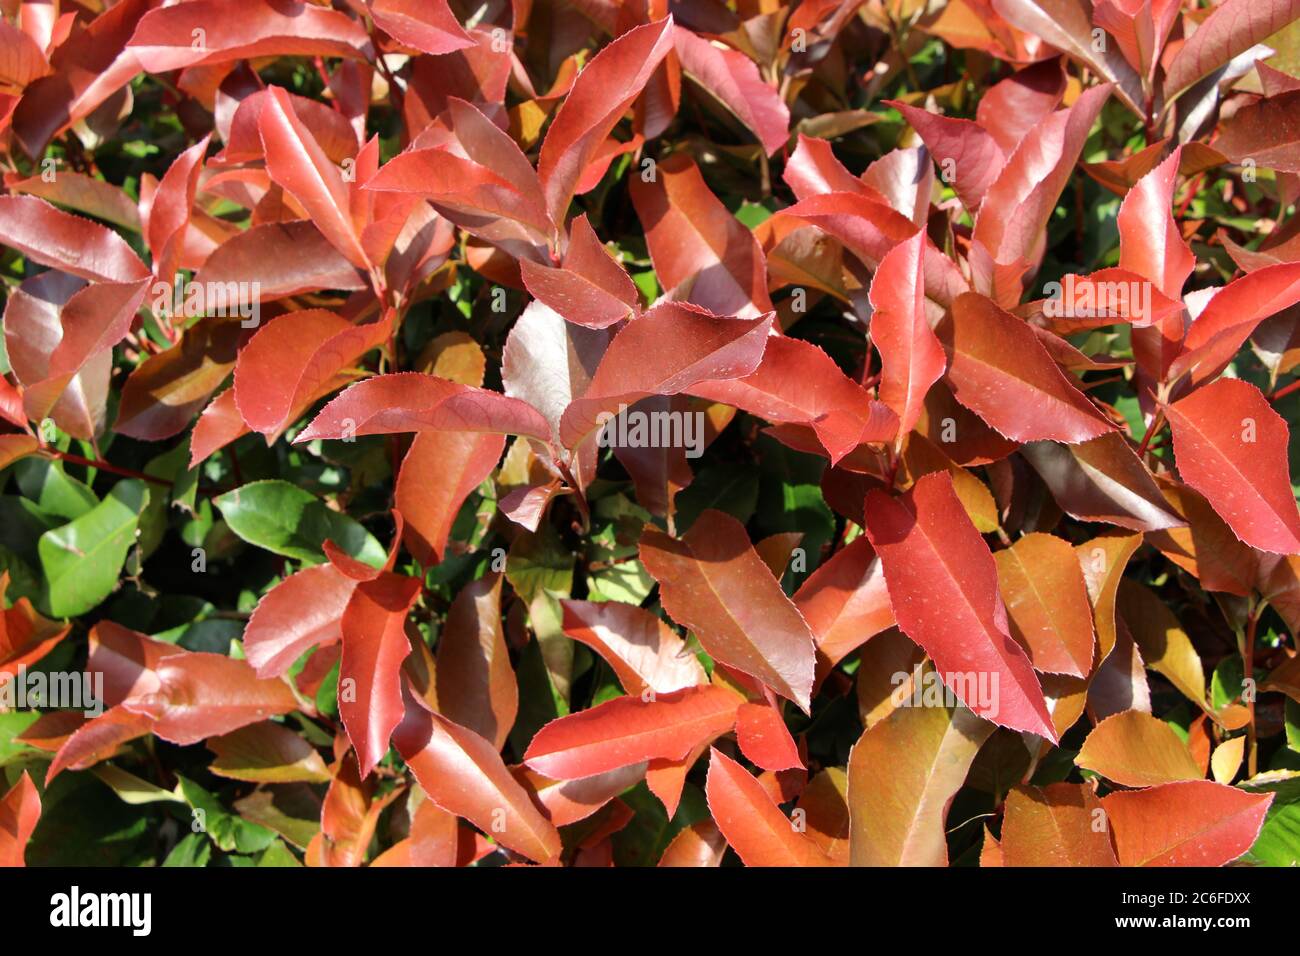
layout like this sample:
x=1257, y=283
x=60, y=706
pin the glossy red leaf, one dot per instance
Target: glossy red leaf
x=1102, y=480
x=296, y=162
x=411, y=402
x=1232, y=447
x=714, y=582
x=590, y=288
x=910, y=354
x=1011, y=108
x=464, y=776
x=1231, y=316
x=66, y=242
x=600, y=96
x=630, y=730
x=940, y=572
x=734, y=80
x=440, y=471
x=764, y=737
x=20, y=809
x=968, y=154
x=643, y=651
x=1000, y=371
x=845, y=602
x=798, y=383
x=427, y=25
x=164, y=39
x=283, y=259
x=1194, y=823
x=1055, y=825
x=701, y=252
x=752, y=824
x=475, y=682
x=373, y=628
x=1231, y=28
x=302, y=612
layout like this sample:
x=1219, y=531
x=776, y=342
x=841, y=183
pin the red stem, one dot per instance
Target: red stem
x=1285, y=390
x=105, y=466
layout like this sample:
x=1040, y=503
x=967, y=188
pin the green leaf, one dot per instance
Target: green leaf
x=44, y=482
x=191, y=851
x=1278, y=843
x=284, y=519
x=277, y=854
x=228, y=832
x=83, y=558
x=540, y=562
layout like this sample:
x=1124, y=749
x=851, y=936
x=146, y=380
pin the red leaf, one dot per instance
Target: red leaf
x=296, y=161
x=1011, y=108
x=753, y=825
x=568, y=801
x=734, y=79
x=427, y=25
x=206, y=695
x=910, y=354
x=1232, y=316
x=411, y=402
x=476, y=685
x=1020, y=202
x=705, y=346
x=99, y=739
x=1054, y=825
x=812, y=170
x=1196, y=823
x=165, y=391
x=288, y=362
x=303, y=611
x=643, y=651
x=630, y=730
x=1046, y=597
x=169, y=210
x=374, y=645
x=1102, y=480
x=1232, y=447
x=700, y=844
x=713, y=582
x=165, y=40
x=218, y=425
x=845, y=602
x=25, y=636
x=968, y=154
x=600, y=96
x=764, y=737
x=440, y=471
x=89, y=67
x=701, y=252
x=66, y=242
x=944, y=590
x=478, y=177
x=463, y=775
x=278, y=259
x=798, y=383
x=999, y=370
x=591, y=288
x=1231, y=28
x=20, y=809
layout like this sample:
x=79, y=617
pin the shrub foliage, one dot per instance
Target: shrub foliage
x=628, y=433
